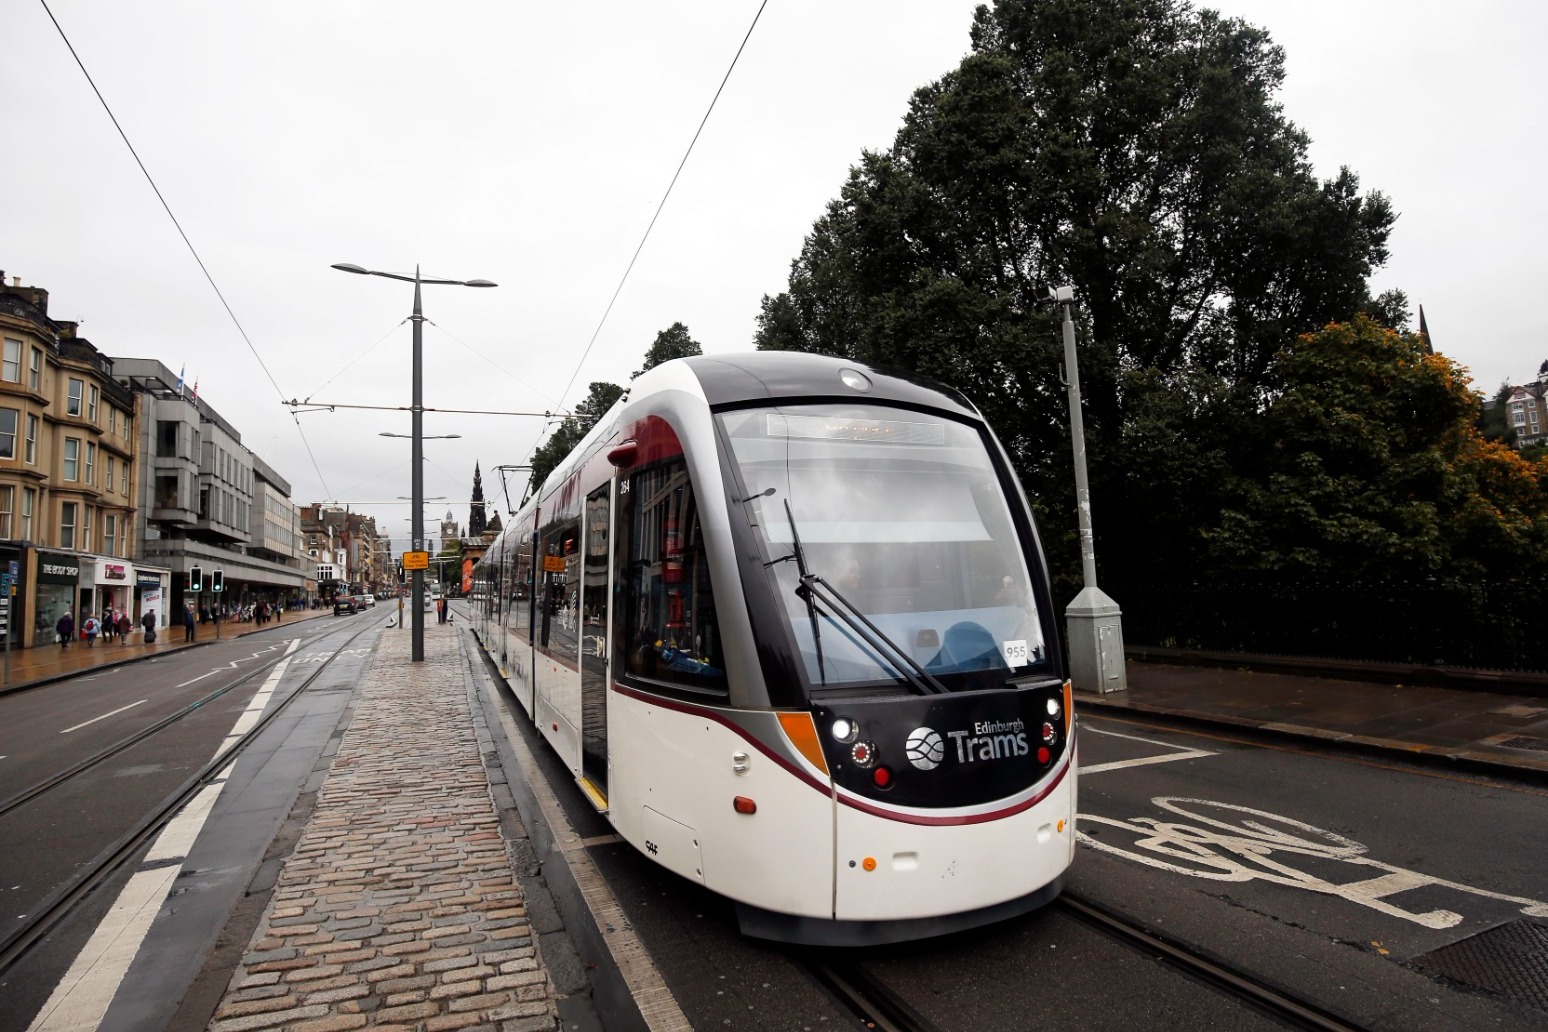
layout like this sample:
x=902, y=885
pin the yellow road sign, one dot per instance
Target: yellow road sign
x=416, y=560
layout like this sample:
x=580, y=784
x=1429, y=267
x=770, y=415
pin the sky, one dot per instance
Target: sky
x=531, y=144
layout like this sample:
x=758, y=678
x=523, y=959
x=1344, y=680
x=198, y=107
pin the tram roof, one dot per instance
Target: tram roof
x=784, y=375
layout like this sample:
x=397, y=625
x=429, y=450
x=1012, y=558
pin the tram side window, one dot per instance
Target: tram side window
x=671, y=626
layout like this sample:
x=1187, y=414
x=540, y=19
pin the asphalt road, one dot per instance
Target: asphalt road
x=1327, y=876
x=45, y=730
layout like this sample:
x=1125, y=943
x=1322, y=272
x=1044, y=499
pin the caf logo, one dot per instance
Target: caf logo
x=924, y=748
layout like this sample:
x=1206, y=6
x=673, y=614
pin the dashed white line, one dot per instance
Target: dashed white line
x=104, y=716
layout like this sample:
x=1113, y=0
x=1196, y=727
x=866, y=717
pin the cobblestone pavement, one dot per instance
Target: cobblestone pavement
x=398, y=907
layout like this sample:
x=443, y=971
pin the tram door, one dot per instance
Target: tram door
x=593, y=652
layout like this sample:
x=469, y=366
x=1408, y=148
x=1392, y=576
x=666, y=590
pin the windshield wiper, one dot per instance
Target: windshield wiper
x=813, y=589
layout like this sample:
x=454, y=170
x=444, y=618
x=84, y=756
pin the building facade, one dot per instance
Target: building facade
x=69, y=477
x=214, y=505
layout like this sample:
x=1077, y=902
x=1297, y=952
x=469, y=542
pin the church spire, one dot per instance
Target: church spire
x=476, y=519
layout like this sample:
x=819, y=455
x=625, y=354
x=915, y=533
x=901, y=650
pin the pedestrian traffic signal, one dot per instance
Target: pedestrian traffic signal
x=196, y=579
x=217, y=581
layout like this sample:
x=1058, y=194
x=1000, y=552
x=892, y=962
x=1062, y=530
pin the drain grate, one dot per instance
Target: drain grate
x=1511, y=960
x=1525, y=742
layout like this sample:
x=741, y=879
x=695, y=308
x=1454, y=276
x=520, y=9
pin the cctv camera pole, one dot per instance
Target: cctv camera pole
x=1094, y=621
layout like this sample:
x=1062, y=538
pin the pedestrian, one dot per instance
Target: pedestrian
x=148, y=621
x=90, y=629
x=125, y=625
x=66, y=629
x=279, y=610
x=188, y=623
x=106, y=624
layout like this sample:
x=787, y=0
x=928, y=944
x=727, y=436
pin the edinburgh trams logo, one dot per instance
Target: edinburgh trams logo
x=988, y=740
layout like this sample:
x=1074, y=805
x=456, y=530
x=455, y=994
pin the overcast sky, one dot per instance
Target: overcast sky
x=530, y=144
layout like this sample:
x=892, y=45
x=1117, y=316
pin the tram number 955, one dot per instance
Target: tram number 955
x=1015, y=653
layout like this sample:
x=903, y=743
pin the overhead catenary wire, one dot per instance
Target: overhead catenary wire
x=597, y=332
x=179, y=227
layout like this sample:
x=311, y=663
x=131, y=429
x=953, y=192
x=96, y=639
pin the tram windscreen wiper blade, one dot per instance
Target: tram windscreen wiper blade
x=811, y=607
x=917, y=676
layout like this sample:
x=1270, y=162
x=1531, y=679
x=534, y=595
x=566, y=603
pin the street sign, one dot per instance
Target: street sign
x=416, y=560
x=553, y=563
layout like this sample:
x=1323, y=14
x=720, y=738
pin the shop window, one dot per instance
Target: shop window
x=670, y=624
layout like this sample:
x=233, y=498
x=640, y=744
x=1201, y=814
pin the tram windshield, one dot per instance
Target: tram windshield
x=901, y=518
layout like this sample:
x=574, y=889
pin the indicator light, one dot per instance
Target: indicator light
x=882, y=777
x=1049, y=734
x=743, y=804
x=1043, y=755
x=869, y=863
x=863, y=753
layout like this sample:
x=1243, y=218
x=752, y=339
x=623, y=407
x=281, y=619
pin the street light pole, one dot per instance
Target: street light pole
x=1094, y=621
x=417, y=646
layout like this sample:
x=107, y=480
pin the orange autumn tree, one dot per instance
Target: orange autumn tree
x=1368, y=464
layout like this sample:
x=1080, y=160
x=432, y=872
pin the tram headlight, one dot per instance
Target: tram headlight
x=844, y=730
x=1053, y=708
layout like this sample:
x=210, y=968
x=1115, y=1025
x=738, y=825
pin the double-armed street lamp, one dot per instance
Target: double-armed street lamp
x=417, y=647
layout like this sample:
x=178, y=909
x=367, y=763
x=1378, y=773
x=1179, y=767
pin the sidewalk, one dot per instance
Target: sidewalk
x=399, y=905
x=44, y=663
x=1459, y=727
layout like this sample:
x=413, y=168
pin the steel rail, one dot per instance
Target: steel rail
x=59, y=903
x=1268, y=999
x=38, y=788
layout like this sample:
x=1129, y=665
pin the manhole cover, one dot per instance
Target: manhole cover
x=1525, y=742
x=1511, y=960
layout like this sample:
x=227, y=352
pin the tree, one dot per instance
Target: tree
x=569, y=433
x=1370, y=466
x=1133, y=148
x=672, y=342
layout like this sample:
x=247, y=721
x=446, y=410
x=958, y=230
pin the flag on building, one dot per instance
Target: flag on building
x=196, y=389
x=180, y=373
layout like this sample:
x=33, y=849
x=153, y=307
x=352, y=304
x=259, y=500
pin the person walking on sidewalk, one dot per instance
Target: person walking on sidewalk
x=90, y=629
x=188, y=623
x=66, y=629
x=148, y=621
x=125, y=625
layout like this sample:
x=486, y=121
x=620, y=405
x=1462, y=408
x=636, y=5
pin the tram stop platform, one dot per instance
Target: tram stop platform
x=400, y=904
x=1466, y=720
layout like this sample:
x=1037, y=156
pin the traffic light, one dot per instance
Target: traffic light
x=217, y=581
x=196, y=579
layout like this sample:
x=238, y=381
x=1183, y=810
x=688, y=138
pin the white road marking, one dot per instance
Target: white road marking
x=1238, y=843
x=232, y=665
x=83, y=995
x=1097, y=768
x=104, y=716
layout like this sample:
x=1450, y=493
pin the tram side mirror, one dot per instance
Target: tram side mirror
x=623, y=456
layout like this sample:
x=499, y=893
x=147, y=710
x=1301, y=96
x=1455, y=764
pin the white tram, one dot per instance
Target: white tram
x=787, y=620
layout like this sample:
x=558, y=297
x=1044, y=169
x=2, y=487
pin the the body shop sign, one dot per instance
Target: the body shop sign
x=58, y=569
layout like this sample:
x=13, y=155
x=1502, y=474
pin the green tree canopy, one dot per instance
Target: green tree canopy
x=672, y=342
x=1135, y=149
x=1371, y=466
x=569, y=433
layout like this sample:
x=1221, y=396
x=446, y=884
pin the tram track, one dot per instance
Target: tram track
x=1275, y=1002
x=63, y=899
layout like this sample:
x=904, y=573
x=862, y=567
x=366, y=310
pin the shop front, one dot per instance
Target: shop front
x=106, y=584
x=151, y=588
x=55, y=586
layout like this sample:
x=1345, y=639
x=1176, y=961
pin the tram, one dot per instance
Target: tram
x=787, y=620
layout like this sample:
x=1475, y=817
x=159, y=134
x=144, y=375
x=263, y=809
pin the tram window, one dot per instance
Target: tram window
x=670, y=624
